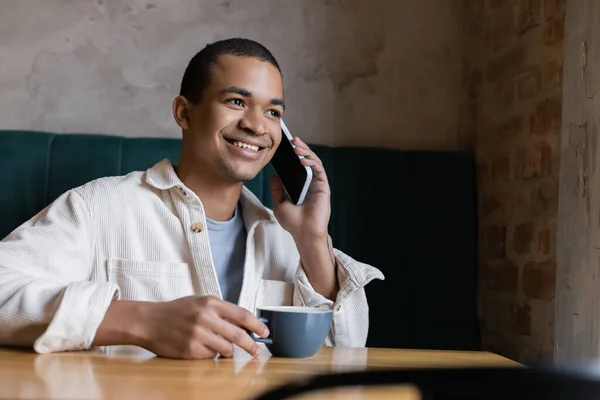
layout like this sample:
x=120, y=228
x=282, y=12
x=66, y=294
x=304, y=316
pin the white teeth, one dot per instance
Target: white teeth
x=245, y=146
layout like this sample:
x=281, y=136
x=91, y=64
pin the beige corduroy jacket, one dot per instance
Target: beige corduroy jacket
x=141, y=237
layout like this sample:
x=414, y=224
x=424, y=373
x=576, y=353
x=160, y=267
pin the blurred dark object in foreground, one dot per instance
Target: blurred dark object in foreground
x=540, y=383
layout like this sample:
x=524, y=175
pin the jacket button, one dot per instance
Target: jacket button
x=182, y=191
x=197, y=227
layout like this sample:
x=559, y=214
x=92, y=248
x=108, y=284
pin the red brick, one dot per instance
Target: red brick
x=539, y=280
x=504, y=94
x=547, y=116
x=495, y=242
x=523, y=237
x=544, y=242
x=553, y=77
x=553, y=8
x=506, y=66
x=502, y=276
x=512, y=128
x=500, y=169
x=479, y=32
x=519, y=203
x=490, y=207
x=533, y=162
x=550, y=9
x=529, y=14
x=520, y=319
x=544, y=198
x=499, y=344
x=529, y=85
x=504, y=26
x=494, y=308
x=512, y=202
x=554, y=32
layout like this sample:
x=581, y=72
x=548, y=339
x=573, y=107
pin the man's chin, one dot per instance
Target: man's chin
x=240, y=175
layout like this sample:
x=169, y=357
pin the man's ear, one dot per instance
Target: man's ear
x=181, y=112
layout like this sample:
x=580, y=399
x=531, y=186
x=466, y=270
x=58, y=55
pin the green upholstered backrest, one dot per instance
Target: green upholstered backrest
x=412, y=214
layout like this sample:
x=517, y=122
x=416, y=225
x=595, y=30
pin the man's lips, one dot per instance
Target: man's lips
x=246, y=144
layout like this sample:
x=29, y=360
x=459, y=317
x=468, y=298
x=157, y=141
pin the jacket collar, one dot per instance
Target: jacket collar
x=162, y=176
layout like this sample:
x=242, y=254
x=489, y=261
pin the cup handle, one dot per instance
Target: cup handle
x=258, y=338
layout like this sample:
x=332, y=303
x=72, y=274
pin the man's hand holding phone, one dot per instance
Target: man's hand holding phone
x=308, y=222
x=310, y=219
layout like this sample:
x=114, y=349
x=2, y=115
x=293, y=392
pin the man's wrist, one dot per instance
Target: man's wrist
x=319, y=264
x=123, y=324
x=317, y=248
x=312, y=242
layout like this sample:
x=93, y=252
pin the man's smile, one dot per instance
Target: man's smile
x=245, y=144
x=245, y=149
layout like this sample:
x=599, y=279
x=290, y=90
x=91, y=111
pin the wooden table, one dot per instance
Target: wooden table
x=26, y=375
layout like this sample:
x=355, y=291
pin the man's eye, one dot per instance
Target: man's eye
x=237, y=102
x=275, y=113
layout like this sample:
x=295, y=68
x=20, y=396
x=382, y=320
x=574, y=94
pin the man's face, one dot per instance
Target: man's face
x=235, y=129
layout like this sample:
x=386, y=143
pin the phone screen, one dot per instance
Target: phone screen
x=294, y=176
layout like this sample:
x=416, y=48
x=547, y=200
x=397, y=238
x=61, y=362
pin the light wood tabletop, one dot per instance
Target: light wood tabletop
x=86, y=375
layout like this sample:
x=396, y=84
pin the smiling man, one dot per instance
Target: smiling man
x=176, y=259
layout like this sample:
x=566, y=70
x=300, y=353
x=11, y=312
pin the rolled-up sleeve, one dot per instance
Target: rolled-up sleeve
x=46, y=298
x=350, y=325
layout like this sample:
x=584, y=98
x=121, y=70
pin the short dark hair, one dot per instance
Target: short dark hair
x=197, y=74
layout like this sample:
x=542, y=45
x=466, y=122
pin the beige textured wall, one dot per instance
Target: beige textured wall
x=386, y=73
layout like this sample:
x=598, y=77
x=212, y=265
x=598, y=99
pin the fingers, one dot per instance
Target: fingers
x=242, y=318
x=300, y=143
x=302, y=149
x=276, y=190
x=220, y=324
x=310, y=159
x=232, y=324
x=231, y=333
x=309, y=162
x=214, y=342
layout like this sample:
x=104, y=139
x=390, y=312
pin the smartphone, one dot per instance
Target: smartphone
x=294, y=176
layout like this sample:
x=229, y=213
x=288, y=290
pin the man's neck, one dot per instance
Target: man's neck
x=218, y=198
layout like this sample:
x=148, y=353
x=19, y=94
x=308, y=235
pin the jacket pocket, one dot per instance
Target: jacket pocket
x=274, y=293
x=150, y=281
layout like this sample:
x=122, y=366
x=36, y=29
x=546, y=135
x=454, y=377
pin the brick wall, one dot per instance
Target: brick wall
x=514, y=77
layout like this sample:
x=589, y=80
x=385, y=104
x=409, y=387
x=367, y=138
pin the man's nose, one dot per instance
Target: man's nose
x=253, y=122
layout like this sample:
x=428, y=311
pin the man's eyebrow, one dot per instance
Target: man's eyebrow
x=278, y=102
x=237, y=90
x=247, y=93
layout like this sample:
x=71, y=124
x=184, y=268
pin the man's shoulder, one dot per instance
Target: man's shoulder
x=121, y=186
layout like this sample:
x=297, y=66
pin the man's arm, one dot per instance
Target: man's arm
x=46, y=299
x=323, y=279
x=319, y=263
x=350, y=325
x=122, y=324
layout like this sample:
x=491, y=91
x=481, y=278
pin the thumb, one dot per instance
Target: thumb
x=276, y=190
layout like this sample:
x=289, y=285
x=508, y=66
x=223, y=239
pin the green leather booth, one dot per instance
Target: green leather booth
x=412, y=214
